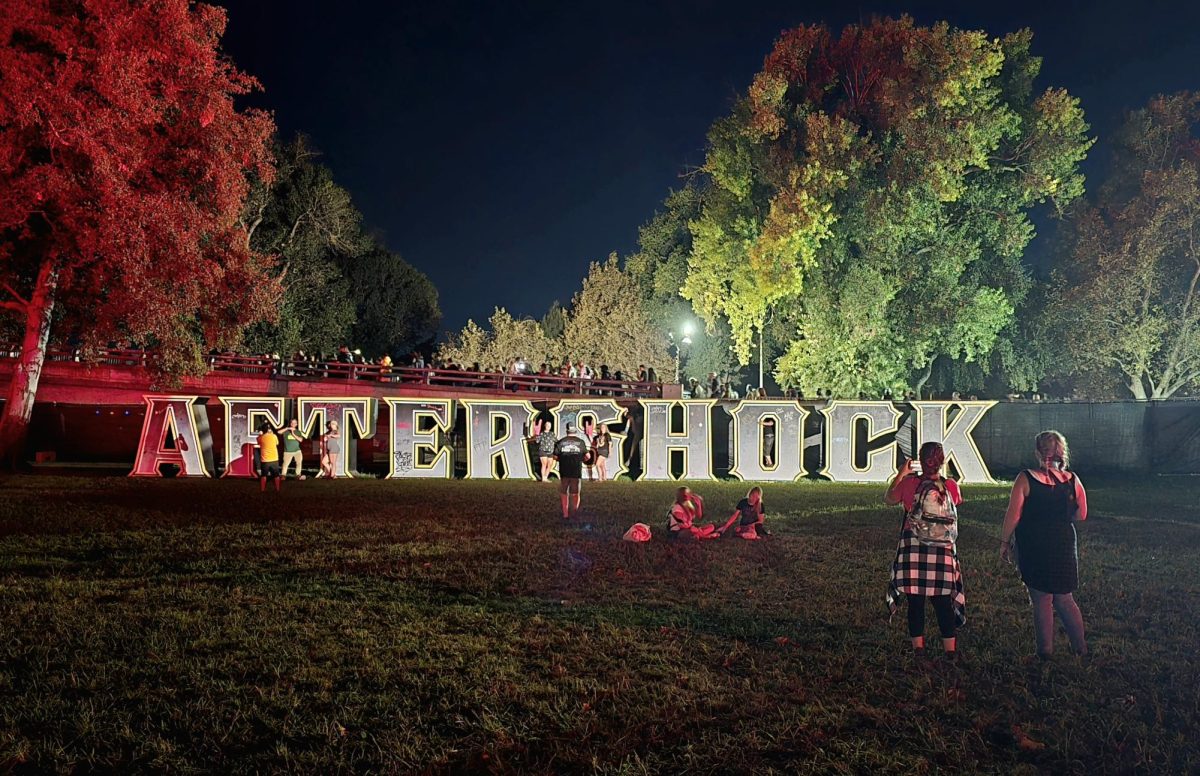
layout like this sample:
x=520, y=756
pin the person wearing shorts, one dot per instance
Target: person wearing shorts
x=570, y=452
x=268, y=448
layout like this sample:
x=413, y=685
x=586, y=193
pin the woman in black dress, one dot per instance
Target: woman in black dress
x=1039, y=529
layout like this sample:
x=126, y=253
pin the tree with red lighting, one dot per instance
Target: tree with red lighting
x=124, y=165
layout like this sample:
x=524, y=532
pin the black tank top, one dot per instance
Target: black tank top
x=1046, y=541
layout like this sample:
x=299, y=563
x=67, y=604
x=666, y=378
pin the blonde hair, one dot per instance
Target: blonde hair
x=1047, y=443
x=681, y=494
x=749, y=492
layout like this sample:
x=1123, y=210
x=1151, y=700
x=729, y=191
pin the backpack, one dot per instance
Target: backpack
x=933, y=519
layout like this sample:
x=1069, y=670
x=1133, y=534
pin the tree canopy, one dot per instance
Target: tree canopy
x=1127, y=289
x=396, y=305
x=506, y=338
x=876, y=187
x=609, y=325
x=124, y=166
x=339, y=284
x=658, y=270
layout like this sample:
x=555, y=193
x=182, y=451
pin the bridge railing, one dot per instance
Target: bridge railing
x=335, y=371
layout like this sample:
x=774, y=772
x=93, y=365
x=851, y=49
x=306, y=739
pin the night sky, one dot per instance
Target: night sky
x=500, y=147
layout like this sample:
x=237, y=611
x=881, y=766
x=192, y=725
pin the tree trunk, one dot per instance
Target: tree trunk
x=1137, y=388
x=924, y=378
x=14, y=423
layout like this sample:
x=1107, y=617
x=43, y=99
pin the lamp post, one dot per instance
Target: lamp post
x=677, y=345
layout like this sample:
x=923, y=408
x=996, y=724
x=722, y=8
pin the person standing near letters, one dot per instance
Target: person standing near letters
x=291, y=438
x=570, y=452
x=268, y=447
x=1039, y=530
x=926, y=565
x=331, y=450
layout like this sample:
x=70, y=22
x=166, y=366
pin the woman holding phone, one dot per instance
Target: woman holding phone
x=926, y=565
x=1039, y=529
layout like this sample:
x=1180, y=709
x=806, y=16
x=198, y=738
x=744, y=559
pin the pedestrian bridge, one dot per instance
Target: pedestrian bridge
x=122, y=377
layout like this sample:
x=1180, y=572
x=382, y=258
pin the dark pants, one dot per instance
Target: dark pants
x=943, y=607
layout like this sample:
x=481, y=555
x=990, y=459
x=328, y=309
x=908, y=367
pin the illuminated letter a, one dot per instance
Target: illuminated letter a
x=185, y=422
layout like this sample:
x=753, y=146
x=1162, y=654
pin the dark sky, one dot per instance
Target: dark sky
x=500, y=147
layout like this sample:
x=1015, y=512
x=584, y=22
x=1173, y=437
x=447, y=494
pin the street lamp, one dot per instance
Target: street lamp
x=685, y=339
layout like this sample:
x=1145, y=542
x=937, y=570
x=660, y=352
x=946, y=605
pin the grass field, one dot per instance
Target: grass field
x=460, y=627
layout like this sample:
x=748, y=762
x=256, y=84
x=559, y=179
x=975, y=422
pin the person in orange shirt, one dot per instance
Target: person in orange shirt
x=268, y=448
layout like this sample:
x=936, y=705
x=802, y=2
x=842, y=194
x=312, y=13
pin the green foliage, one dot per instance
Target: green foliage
x=659, y=270
x=505, y=339
x=1126, y=298
x=608, y=324
x=338, y=283
x=373, y=626
x=396, y=304
x=310, y=224
x=877, y=186
x=554, y=322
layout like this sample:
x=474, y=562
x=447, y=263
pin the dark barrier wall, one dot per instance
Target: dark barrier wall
x=1109, y=438
x=1112, y=438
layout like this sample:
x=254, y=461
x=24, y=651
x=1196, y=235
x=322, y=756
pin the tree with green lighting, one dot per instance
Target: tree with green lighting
x=875, y=189
x=607, y=324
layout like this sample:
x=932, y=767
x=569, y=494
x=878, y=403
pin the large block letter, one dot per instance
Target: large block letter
x=694, y=439
x=841, y=441
x=956, y=437
x=494, y=435
x=410, y=442
x=601, y=412
x=359, y=411
x=751, y=435
x=184, y=421
x=242, y=417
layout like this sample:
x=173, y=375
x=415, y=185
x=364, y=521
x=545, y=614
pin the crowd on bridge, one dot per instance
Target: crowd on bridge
x=569, y=377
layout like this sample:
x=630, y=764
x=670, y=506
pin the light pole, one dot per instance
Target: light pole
x=685, y=339
x=760, y=359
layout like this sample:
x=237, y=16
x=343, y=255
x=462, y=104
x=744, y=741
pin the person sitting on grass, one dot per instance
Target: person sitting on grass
x=687, y=509
x=751, y=511
x=926, y=564
x=268, y=447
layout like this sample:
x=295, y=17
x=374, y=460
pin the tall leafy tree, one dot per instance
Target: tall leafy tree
x=554, y=321
x=396, y=304
x=659, y=269
x=609, y=325
x=124, y=167
x=506, y=338
x=1129, y=291
x=878, y=185
x=303, y=217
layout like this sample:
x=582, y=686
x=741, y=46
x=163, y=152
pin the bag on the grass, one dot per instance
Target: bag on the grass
x=638, y=532
x=933, y=518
